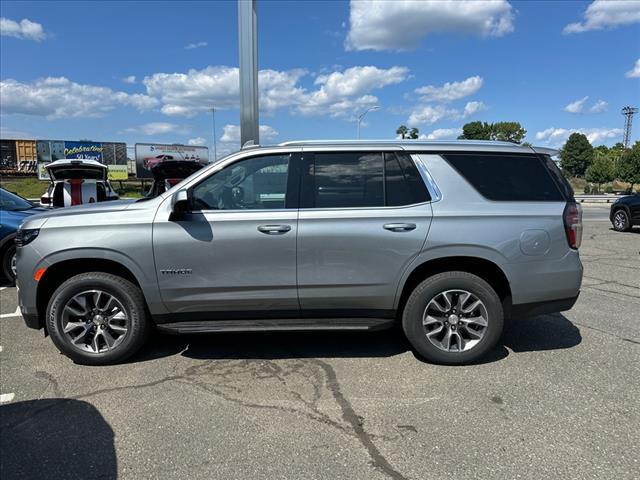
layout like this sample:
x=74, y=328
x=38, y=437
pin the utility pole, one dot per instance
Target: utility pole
x=248, y=51
x=628, y=113
x=361, y=116
x=215, y=137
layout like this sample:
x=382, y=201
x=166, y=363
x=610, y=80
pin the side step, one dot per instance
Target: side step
x=274, y=325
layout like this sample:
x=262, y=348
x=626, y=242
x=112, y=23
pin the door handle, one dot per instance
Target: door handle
x=274, y=229
x=399, y=227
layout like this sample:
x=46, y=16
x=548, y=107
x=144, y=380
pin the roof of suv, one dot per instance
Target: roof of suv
x=423, y=145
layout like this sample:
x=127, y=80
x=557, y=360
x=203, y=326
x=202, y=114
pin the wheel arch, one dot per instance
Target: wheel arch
x=486, y=269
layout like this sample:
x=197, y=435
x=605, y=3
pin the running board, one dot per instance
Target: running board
x=277, y=325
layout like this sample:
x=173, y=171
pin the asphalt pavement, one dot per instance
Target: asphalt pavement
x=558, y=400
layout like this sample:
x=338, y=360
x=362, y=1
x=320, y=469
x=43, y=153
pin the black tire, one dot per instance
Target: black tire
x=129, y=296
x=621, y=221
x=412, y=318
x=7, y=258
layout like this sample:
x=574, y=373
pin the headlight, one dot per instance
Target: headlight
x=25, y=237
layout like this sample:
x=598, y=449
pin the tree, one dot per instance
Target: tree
x=476, y=131
x=402, y=131
x=503, y=131
x=414, y=133
x=601, y=169
x=576, y=155
x=629, y=165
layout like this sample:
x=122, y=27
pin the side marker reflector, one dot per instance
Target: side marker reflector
x=39, y=274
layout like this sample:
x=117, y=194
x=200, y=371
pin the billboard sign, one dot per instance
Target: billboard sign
x=83, y=150
x=148, y=155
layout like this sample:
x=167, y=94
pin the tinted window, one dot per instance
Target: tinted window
x=507, y=177
x=403, y=184
x=348, y=180
x=258, y=183
x=11, y=202
x=563, y=184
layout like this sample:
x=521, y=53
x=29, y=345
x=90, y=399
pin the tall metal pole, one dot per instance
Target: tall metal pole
x=628, y=113
x=361, y=116
x=215, y=142
x=248, y=50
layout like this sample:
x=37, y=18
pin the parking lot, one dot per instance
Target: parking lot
x=559, y=400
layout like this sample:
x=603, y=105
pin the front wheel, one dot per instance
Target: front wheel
x=453, y=318
x=97, y=318
x=621, y=221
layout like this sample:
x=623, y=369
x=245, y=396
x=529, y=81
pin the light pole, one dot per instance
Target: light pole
x=361, y=116
x=215, y=148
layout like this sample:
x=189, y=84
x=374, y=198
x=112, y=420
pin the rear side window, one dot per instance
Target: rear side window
x=505, y=177
x=349, y=179
x=403, y=184
x=561, y=181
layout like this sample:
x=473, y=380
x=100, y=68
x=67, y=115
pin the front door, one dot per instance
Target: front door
x=234, y=254
x=364, y=216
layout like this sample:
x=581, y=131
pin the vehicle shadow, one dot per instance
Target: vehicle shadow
x=56, y=438
x=544, y=332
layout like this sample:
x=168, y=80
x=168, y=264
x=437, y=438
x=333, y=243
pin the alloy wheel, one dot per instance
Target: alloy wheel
x=620, y=221
x=94, y=321
x=455, y=320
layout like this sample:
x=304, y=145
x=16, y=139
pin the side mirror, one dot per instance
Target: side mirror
x=179, y=203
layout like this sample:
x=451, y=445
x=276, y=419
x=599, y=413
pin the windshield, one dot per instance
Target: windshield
x=12, y=202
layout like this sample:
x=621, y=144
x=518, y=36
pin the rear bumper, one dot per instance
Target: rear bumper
x=539, y=308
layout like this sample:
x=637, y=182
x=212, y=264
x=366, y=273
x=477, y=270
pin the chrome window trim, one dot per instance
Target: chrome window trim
x=432, y=187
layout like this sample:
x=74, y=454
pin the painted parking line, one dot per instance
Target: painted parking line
x=3, y=288
x=14, y=314
x=7, y=397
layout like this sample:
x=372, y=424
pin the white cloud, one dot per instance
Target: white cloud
x=577, y=106
x=158, y=128
x=557, y=136
x=59, y=97
x=231, y=133
x=635, y=71
x=338, y=94
x=472, y=108
x=129, y=79
x=429, y=114
x=24, y=30
x=450, y=90
x=401, y=25
x=599, y=107
x=191, y=46
x=606, y=14
x=197, y=141
x=442, y=134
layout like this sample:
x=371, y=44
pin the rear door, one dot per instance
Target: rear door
x=364, y=216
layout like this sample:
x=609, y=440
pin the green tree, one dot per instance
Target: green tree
x=414, y=133
x=629, y=165
x=601, y=169
x=503, y=131
x=402, y=131
x=476, y=131
x=576, y=155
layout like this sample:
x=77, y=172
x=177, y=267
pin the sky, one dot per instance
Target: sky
x=152, y=71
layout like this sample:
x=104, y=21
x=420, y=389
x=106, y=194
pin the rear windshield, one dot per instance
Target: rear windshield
x=507, y=177
x=77, y=173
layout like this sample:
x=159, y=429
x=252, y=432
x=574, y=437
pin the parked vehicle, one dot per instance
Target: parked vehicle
x=150, y=162
x=170, y=173
x=13, y=210
x=448, y=239
x=74, y=182
x=625, y=213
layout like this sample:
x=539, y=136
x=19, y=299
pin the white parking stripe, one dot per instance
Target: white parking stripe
x=0, y=348
x=7, y=397
x=14, y=314
x=3, y=288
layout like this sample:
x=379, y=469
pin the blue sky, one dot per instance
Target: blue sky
x=147, y=71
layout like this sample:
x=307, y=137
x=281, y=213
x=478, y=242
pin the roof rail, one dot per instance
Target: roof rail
x=301, y=143
x=250, y=144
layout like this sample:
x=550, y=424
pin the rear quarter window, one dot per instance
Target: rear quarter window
x=507, y=177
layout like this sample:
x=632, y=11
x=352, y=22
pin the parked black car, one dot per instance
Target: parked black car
x=625, y=213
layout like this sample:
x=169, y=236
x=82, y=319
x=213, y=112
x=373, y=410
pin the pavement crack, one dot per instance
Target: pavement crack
x=349, y=415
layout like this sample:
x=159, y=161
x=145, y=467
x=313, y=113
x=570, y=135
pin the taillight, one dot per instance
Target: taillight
x=573, y=224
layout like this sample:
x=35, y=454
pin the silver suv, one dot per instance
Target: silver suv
x=448, y=239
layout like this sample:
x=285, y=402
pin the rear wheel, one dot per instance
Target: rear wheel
x=9, y=263
x=453, y=318
x=97, y=318
x=621, y=221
